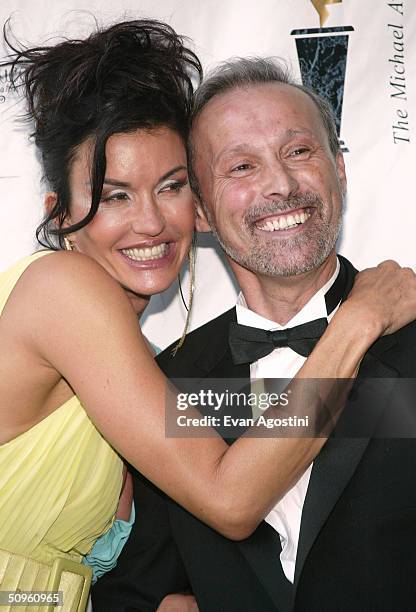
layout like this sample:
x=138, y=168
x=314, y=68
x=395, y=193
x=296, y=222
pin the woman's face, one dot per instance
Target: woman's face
x=143, y=227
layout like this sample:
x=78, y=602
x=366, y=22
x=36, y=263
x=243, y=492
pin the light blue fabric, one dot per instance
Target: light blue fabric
x=156, y=349
x=105, y=552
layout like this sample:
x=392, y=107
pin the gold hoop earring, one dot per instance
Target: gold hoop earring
x=69, y=245
x=191, y=260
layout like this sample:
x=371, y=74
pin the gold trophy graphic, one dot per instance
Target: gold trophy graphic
x=322, y=54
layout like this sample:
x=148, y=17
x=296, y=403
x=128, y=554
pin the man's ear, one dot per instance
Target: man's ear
x=201, y=221
x=340, y=166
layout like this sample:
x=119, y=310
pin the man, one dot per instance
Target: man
x=270, y=180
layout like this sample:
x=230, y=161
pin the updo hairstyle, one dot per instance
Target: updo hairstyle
x=132, y=75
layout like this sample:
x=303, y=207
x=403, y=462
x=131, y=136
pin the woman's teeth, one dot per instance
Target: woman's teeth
x=284, y=222
x=148, y=253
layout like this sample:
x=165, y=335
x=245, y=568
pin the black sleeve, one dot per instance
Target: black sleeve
x=149, y=567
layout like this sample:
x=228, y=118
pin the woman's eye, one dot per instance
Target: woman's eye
x=174, y=186
x=119, y=196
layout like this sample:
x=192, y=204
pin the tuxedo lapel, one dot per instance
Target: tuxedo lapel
x=215, y=361
x=331, y=471
x=339, y=458
x=262, y=552
x=222, y=366
x=203, y=353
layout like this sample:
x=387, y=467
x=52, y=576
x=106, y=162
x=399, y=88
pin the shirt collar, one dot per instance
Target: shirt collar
x=315, y=308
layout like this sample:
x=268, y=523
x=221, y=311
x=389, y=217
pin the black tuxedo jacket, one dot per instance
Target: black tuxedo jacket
x=357, y=546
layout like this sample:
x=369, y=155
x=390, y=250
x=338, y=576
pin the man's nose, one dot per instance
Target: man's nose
x=279, y=180
x=147, y=218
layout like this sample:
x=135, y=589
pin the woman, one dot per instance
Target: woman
x=111, y=119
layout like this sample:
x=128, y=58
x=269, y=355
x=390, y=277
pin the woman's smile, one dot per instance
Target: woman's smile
x=143, y=227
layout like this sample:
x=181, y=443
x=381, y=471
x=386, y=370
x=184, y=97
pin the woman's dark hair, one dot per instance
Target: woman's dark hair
x=132, y=75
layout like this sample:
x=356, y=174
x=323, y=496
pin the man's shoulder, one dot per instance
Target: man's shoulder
x=402, y=350
x=398, y=349
x=213, y=334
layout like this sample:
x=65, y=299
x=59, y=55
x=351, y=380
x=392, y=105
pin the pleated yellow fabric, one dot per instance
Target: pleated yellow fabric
x=59, y=481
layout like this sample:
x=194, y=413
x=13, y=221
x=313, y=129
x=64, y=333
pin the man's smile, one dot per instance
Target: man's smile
x=284, y=221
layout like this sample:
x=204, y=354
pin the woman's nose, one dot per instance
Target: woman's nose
x=147, y=218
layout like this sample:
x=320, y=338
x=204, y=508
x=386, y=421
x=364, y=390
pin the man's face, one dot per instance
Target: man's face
x=270, y=186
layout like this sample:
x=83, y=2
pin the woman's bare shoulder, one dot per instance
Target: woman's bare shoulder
x=62, y=283
x=59, y=264
x=54, y=271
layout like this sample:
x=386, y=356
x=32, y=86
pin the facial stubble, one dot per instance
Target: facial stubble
x=293, y=254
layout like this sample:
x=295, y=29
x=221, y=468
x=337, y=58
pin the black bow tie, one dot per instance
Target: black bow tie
x=248, y=344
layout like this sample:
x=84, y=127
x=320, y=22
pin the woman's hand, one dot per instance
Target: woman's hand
x=178, y=603
x=383, y=299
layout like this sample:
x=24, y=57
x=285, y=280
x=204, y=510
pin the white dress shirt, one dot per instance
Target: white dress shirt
x=283, y=362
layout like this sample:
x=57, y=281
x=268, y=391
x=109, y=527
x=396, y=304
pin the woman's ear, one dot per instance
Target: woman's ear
x=201, y=221
x=50, y=201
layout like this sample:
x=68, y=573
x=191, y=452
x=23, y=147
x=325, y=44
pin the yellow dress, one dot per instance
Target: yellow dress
x=59, y=482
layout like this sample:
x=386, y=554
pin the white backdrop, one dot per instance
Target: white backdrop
x=379, y=93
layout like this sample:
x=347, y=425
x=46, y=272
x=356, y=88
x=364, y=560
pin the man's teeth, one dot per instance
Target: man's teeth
x=284, y=222
x=148, y=253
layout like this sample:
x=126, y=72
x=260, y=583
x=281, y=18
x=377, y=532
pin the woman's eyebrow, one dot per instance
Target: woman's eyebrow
x=113, y=182
x=173, y=171
x=117, y=183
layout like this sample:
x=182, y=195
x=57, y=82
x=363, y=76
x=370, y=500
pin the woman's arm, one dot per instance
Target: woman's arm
x=178, y=603
x=78, y=321
x=126, y=497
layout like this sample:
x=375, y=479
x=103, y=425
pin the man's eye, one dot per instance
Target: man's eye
x=299, y=151
x=241, y=167
x=119, y=196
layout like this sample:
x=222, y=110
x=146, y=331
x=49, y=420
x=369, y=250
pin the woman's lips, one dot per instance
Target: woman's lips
x=149, y=257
